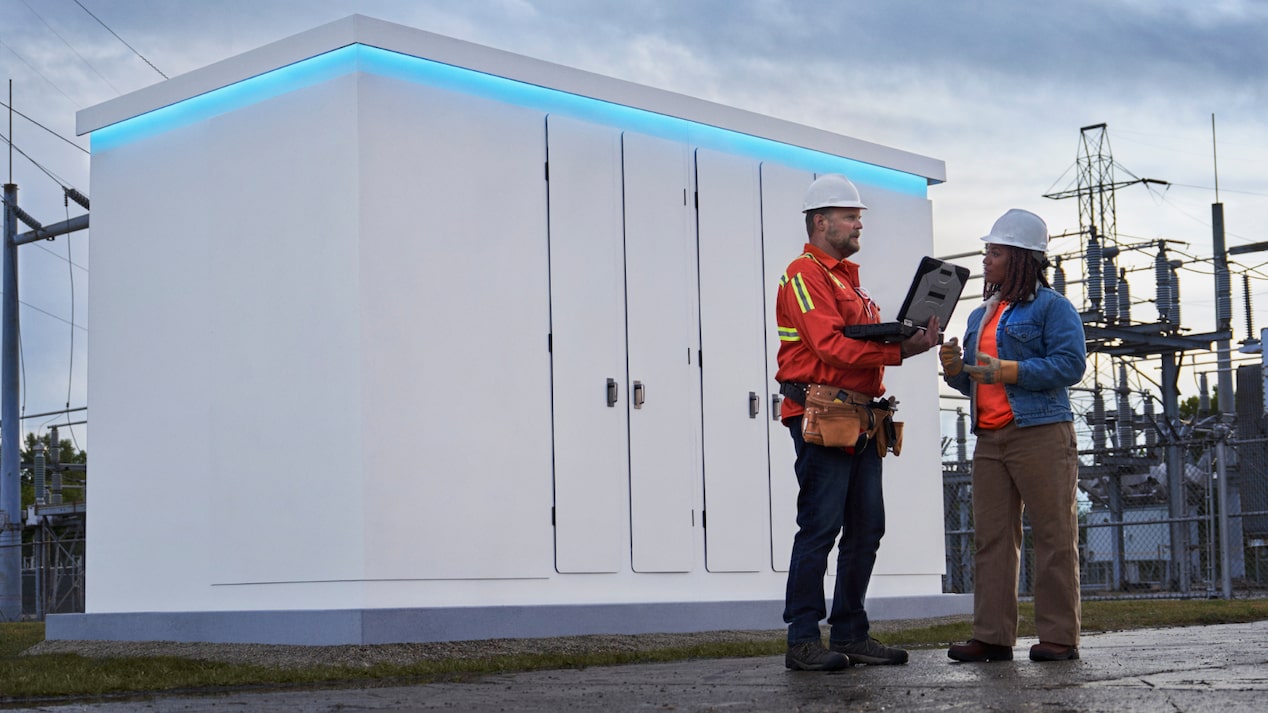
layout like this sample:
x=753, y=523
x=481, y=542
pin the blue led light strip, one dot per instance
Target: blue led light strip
x=373, y=60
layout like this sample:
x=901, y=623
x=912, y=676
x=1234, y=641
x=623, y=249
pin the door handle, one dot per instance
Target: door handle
x=640, y=394
x=775, y=401
x=611, y=392
x=754, y=404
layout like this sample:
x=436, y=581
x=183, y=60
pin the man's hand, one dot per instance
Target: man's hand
x=921, y=342
x=952, y=357
x=990, y=370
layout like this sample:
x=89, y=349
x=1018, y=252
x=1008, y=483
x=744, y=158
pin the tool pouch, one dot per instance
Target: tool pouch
x=830, y=421
x=889, y=437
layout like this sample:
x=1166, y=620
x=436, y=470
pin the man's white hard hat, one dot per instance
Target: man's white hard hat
x=1019, y=228
x=831, y=190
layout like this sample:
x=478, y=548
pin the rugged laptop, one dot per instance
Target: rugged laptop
x=934, y=290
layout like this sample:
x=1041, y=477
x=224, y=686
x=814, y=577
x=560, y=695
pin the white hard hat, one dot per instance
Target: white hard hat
x=1019, y=228
x=831, y=190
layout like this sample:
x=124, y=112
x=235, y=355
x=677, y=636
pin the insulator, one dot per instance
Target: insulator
x=1223, y=298
x=1126, y=429
x=40, y=491
x=1175, y=293
x=961, y=435
x=1162, y=275
x=25, y=217
x=1151, y=432
x=1250, y=322
x=1111, y=291
x=1094, y=271
x=76, y=196
x=1058, y=277
x=1124, y=298
x=1204, y=395
x=1098, y=419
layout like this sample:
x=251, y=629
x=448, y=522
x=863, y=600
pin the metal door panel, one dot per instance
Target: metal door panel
x=587, y=304
x=663, y=334
x=733, y=378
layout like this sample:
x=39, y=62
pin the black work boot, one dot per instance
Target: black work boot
x=811, y=656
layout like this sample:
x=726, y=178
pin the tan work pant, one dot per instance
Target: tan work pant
x=1037, y=466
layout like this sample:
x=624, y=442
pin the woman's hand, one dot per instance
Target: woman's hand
x=990, y=370
x=952, y=357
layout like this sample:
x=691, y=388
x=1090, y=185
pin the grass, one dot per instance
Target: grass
x=61, y=678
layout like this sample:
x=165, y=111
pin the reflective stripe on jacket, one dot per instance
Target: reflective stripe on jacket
x=817, y=296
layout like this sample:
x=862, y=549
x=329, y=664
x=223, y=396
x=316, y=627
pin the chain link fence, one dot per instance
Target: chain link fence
x=1188, y=517
x=53, y=567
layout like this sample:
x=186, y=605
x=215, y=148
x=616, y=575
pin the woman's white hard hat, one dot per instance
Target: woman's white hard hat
x=1019, y=228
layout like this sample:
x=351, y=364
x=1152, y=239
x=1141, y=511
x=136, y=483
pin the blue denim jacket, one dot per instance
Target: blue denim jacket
x=1044, y=336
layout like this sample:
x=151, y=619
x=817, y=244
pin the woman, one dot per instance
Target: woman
x=1029, y=347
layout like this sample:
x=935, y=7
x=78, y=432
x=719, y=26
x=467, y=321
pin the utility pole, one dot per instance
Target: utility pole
x=10, y=446
x=10, y=487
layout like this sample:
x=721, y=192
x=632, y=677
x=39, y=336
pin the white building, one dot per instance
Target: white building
x=369, y=306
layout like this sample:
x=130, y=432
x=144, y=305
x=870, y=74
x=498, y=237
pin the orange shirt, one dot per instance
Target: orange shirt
x=993, y=410
x=817, y=297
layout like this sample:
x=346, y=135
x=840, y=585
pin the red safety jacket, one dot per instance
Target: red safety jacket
x=817, y=297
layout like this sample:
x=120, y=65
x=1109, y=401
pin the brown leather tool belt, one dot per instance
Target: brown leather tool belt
x=841, y=418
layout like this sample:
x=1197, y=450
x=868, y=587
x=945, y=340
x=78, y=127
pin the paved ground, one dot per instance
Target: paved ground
x=1213, y=668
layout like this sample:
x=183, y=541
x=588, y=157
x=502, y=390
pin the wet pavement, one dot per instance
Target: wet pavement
x=1210, y=668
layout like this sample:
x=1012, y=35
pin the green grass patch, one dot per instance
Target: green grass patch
x=16, y=638
x=69, y=677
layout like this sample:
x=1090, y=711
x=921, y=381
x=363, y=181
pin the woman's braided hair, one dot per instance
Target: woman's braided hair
x=1024, y=271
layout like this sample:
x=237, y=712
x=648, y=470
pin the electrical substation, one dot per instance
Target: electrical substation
x=1175, y=506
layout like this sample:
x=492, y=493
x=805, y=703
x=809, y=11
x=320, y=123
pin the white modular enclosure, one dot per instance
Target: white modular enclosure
x=399, y=338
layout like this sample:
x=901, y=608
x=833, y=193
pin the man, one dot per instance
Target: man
x=840, y=487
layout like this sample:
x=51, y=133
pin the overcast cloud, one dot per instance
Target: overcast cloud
x=998, y=89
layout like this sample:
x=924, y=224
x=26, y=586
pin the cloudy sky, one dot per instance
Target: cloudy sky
x=998, y=89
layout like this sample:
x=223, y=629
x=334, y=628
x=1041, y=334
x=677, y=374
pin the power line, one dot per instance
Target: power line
x=54, y=133
x=61, y=257
x=50, y=82
x=125, y=44
x=1226, y=190
x=24, y=303
x=68, y=45
x=35, y=163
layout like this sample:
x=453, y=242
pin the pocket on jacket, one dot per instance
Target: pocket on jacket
x=1023, y=332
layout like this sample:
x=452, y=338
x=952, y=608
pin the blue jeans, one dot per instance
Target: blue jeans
x=839, y=493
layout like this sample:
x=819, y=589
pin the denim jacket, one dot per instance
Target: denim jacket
x=1044, y=335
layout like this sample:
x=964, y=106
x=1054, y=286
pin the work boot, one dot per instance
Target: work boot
x=975, y=651
x=1044, y=651
x=870, y=651
x=811, y=656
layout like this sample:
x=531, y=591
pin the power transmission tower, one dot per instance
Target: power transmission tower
x=1109, y=330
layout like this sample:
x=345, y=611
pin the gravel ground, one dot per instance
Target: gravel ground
x=283, y=656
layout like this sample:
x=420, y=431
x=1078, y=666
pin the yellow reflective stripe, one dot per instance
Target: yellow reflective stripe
x=803, y=295
x=783, y=279
x=789, y=334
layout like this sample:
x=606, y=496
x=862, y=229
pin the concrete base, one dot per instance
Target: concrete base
x=392, y=626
